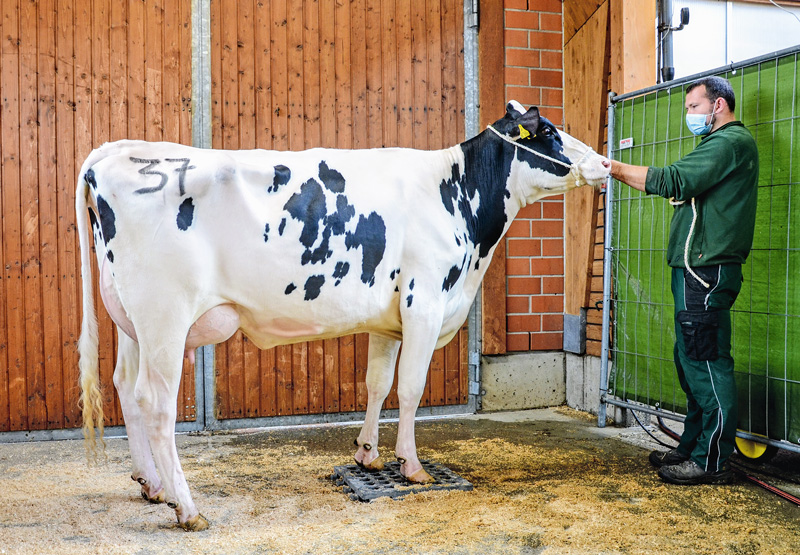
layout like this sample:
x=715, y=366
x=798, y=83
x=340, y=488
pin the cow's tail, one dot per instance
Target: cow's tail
x=91, y=399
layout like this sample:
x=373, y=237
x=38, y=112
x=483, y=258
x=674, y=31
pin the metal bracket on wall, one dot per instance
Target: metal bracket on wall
x=472, y=16
x=575, y=332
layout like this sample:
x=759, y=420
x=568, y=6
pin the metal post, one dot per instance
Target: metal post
x=607, y=232
x=472, y=128
x=201, y=74
x=201, y=137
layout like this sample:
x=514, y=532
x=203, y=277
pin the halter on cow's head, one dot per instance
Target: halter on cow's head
x=563, y=161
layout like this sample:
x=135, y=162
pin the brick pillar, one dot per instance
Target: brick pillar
x=535, y=241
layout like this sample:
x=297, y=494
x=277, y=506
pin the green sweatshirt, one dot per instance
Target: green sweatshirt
x=721, y=174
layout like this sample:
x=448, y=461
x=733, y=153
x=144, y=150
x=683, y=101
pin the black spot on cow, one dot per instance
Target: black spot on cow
x=281, y=227
x=409, y=300
x=90, y=179
x=451, y=279
x=487, y=165
x=340, y=271
x=185, y=214
x=453, y=275
x=394, y=273
x=308, y=207
x=370, y=235
x=282, y=177
x=289, y=288
x=320, y=254
x=411, y=285
x=110, y=256
x=458, y=241
x=107, y=219
x=344, y=213
x=266, y=233
x=313, y=286
x=334, y=224
x=449, y=189
x=332, y=179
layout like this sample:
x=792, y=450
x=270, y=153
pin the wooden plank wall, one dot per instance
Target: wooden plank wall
x=294, y=74
x=585, y=94
x=73, y=74
x=632, y=66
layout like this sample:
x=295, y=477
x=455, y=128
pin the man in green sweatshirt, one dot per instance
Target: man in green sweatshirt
x=713, y=189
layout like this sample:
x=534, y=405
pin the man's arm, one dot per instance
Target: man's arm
x=635, y=176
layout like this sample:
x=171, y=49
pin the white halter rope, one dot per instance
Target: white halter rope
x=573, y=168
x=674, y=202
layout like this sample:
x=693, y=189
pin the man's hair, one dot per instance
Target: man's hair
x=716, y=87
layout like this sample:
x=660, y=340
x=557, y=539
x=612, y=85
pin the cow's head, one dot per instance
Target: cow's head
x=560, y=162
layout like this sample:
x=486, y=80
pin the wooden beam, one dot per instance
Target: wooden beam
x=492, y=106
x=576, y=14
x=633, y=45
x=585, y=95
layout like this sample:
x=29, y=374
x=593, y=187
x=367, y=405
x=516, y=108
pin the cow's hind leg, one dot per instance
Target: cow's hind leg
x=125, y=373
x=418, y=344
x=157, y=394
x=380, y=375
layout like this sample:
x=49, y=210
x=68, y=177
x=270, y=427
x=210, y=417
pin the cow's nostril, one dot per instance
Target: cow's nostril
x=606, y=164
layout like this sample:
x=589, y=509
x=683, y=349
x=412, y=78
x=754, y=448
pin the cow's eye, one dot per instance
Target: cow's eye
x=547, y=132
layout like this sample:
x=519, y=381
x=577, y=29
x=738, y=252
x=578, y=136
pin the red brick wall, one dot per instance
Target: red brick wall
x=535, y=242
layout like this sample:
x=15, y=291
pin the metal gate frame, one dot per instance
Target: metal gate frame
x=607, y=351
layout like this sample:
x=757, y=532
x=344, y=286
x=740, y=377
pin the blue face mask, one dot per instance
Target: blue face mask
x=697, y=123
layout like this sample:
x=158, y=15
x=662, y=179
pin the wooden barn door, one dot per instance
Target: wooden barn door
x=296, y=74
x=73, y=74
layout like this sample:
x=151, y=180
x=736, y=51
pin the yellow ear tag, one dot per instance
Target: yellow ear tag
x=523, y=133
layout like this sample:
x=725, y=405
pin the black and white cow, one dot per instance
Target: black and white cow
x=193, y=245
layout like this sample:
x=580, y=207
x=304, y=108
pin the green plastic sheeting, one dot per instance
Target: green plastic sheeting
x=766, y=316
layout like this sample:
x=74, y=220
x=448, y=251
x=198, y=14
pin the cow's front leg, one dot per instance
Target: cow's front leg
x=143, y=468
x=157, y=394
x=418, y=346
x=380, y=374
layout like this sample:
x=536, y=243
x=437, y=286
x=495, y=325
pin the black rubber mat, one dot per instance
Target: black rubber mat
x=363, y=485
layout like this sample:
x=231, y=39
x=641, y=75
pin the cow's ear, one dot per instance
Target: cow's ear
x=530, y=120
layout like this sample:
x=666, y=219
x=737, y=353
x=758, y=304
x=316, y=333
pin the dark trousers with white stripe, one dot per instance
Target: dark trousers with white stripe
x=704, y=362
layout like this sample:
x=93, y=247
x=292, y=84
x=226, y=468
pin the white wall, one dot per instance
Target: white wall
x=722, y=32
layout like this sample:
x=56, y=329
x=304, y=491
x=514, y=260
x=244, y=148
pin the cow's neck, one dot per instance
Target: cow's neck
x=487, y=168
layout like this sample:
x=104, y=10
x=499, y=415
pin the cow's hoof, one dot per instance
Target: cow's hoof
x=376, y=465
x=155, y=499
x=196, y=524
x=420, y=477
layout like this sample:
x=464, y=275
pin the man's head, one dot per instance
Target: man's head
x=711, y=97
